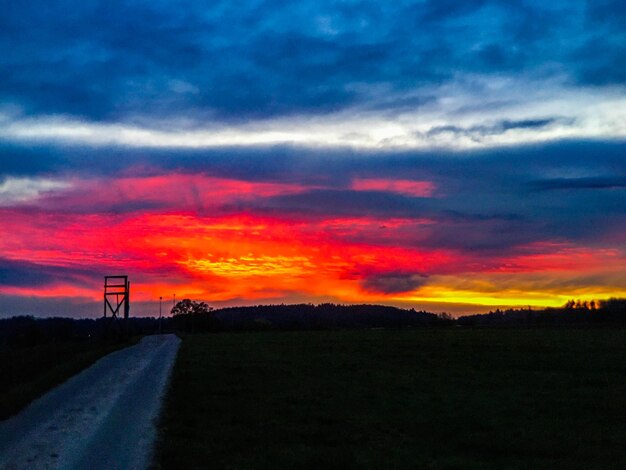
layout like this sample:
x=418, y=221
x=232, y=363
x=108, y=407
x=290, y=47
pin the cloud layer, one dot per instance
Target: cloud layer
x=438, y=153
x=117, y=59
x=525, y=226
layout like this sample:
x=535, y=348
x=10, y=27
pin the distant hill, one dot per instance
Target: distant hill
x=322, y=316
x=28, y=330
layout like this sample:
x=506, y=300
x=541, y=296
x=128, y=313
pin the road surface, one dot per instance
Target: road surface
x=102, y=418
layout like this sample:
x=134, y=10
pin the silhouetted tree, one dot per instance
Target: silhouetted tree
x=187, y=306
x=189, y=315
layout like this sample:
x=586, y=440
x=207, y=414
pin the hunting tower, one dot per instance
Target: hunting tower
x=116, y=296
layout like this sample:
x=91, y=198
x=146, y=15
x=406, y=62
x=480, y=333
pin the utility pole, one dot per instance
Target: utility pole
x=160, y=316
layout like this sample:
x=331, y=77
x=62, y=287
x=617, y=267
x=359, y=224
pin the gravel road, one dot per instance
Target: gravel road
x=102, y=418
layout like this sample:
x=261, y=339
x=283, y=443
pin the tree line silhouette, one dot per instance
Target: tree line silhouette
x=575, y=312
x=194, y=316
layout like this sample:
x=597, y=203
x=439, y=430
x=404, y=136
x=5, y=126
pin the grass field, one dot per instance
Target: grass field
x=28, y=372
x=540, y=398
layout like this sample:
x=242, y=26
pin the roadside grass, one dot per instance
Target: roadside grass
x=428, y=398
x=27, y=372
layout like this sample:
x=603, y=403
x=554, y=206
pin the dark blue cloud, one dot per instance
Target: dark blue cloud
x=17, y=273
x=596, y=53
x=117, y=60
x=13, y=305
x=393, y=283
x=21, y=274
x=500, y=127
x=581, y=183
x=329, y=202
x=31, y=161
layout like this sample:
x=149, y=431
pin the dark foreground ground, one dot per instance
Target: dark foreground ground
x=398, y=399
x=28, y=371
x=100, y=419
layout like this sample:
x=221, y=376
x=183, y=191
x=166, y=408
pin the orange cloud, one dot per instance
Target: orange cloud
x=240, y=256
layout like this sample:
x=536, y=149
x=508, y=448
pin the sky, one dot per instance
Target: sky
x=447, y=155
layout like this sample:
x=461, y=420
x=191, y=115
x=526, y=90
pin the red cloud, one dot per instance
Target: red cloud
x=173, y=247
x=409, y=187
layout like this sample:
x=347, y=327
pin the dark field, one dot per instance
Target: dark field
x=29, y=371
x=398, y=399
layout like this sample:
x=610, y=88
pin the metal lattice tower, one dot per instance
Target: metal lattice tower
x=116, y=296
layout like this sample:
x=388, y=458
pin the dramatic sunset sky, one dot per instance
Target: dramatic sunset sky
x=448, y=155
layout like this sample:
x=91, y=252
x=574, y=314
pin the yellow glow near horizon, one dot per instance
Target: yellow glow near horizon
x=505, y=298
